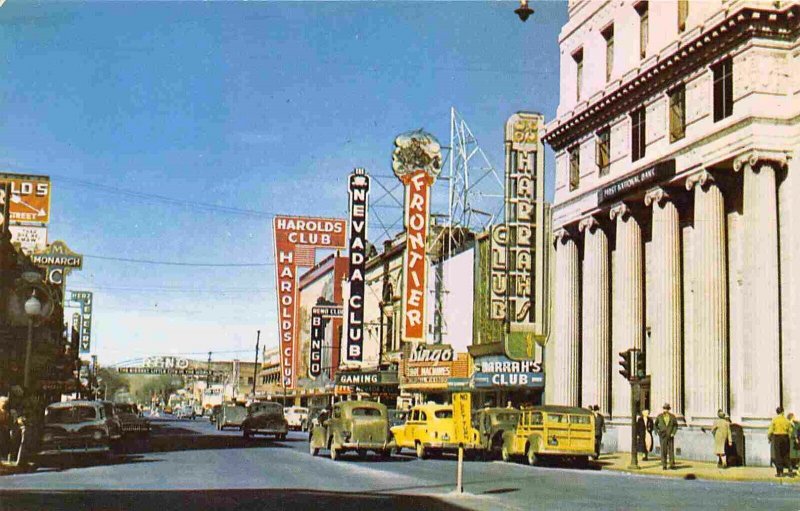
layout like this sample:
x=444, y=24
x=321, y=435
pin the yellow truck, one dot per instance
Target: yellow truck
x=429, y=428
x=549, y=432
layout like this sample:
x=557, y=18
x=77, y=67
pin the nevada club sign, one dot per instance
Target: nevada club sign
x=359, y=190
x=416, y=161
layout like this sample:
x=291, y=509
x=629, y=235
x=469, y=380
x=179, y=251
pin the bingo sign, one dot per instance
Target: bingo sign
x=359, y=189
x=320, y=314
x=416, y=161
x=296, y=240
x=87, y=302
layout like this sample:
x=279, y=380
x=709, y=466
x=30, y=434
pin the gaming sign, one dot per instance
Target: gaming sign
x=416, y=161
x=296, y=239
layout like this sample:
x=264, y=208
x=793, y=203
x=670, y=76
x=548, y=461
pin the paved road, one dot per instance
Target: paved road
x=189, y=465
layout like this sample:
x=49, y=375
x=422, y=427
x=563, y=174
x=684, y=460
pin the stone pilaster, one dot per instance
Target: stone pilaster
x=665, y=354
x=628, y=300
x=709, y=373
x=762, y=384
x=789, y=211
x=566, y=339
x=596, y=316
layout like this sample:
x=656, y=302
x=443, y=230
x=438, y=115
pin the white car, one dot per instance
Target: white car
x=295, y=416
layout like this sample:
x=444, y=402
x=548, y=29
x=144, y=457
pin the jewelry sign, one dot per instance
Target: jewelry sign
x=359, y=190
x=416, y=161
x=86, y=300
x=296, y=241
x=320, y=314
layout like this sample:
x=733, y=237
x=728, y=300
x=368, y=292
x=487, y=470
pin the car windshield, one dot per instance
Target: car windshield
x=444, y=414
x=70, y=415
x=124, y=408
x=265, y=408
x=366, y=412
x=507, y=417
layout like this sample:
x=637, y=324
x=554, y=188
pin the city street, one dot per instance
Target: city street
x=188, y=464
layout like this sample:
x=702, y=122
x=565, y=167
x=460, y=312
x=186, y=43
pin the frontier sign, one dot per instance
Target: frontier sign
x=416, y=161
x=296, y=239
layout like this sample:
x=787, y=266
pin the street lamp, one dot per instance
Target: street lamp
x=33, y=309
x=523, y=11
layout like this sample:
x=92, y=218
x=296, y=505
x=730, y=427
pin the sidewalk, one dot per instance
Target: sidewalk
x=688, y=469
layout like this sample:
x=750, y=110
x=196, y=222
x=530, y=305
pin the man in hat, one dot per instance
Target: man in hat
x=666, y=427
x=778, y=436
x=599, y=429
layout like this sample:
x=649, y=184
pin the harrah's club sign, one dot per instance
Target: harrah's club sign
x=359, y=190
x=416, y=161
x=296, y=239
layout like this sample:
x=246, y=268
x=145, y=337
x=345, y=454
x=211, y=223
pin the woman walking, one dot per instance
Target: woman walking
x=722, y=437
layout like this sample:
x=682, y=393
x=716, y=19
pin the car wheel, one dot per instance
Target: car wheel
x=504, y=454
x=282, y=436
x=533, y=458
x=582, y=461
x=362, y=453
x=312, y=450
x=420, y=451
x=385, y=454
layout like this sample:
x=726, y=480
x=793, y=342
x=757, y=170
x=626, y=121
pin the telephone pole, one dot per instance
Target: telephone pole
x=255, y=367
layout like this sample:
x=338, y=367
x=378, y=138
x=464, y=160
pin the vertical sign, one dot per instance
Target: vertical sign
x=498, y=267
x=462, y=417
x=416, y=161
x=296, y=239
x=86, y=300
x=320, y=314
x=359, y=189
x=5, y=191
x=525, y=243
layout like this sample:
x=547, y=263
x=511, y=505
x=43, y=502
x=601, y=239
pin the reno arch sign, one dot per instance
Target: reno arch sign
x=296, y=240
x=416, y=161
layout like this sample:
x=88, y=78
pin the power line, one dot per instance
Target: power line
x=177, y=263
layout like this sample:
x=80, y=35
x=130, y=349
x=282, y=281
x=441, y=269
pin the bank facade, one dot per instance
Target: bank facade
x=677, y=183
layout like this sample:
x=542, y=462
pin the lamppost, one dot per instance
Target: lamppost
x=524, y=11
x=33, y=309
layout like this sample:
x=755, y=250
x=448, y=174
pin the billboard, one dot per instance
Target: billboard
x=416, y=161
x=29, y=202
x=359, y=191
x=295, y=240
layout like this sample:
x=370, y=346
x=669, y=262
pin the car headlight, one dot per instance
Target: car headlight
x=47, y=437
x=97, y=435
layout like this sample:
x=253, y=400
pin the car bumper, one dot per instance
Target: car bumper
x=55, y=451
x=449, y=446
x=268, y=430
x=372, y=446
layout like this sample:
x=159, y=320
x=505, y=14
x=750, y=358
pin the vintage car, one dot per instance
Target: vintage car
x=359, y=426
x=265, y=418
x=428, y=428
x=295, y=415
x=130, y=420
x=309, y=421
x=114, y=424
x=185, y=412
x=75, y=427
x=551, y=431
x=231, y=415
x=489, y=425
x=213, y=414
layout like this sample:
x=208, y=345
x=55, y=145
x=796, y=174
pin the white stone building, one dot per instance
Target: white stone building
x=677, y=189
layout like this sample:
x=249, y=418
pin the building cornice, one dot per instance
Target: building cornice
x=659, y=72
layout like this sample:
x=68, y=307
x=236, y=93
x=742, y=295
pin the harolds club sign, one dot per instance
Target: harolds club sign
x=359, y=190
x=416, y=161
x=296, y=239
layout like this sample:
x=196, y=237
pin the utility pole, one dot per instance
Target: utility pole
x=255, y=367
x=208, y=373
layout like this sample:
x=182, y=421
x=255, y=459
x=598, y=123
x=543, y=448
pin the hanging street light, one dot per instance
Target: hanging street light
x=523, y=11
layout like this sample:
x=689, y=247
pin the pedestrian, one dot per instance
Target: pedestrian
x=5, y=429
x=644, y=433
x=722, y=437
x=666, y=426
x=778, y=436
x=599, y=429
x=794, y=442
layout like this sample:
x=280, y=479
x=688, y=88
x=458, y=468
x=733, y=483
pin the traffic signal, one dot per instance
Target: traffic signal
x=641, y=366
x=625, y=364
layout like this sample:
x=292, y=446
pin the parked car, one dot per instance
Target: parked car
x=429, y=428
x=213, y=415
x=185, y=412
x=397, y=417
x=295, y=415
x=114, y=424
x=353, y=425
x=75, y=427
x=490, y=424
x=308, y=422
x=265, y=418
x=131, y=420
x=231, y=416
x=551, y=431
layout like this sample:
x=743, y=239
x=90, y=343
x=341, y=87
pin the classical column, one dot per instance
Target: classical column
x=628, y=300
x=595, y=316
x=665, y=353
x=567, y=321
x=709, y=373
x=789, y=210
x=761, y=286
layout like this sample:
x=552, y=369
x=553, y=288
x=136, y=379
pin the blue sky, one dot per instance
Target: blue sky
x=256, y=108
